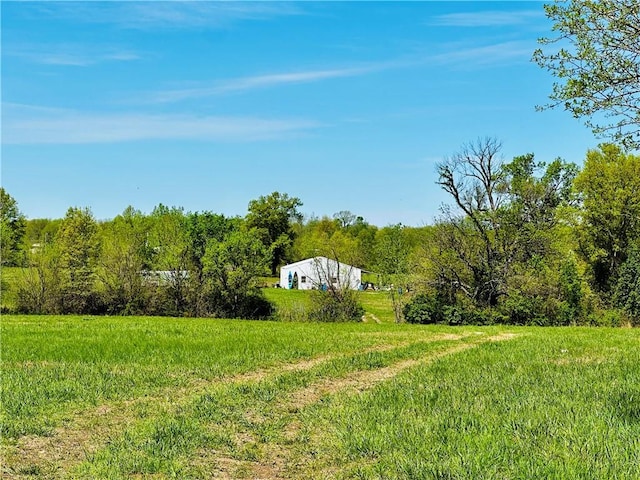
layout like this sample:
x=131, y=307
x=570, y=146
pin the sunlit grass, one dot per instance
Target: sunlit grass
x=53, y=363
x=551, y=404
x=291, y=304
x=147, y=397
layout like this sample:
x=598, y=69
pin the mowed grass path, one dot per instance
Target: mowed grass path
x=87, y=397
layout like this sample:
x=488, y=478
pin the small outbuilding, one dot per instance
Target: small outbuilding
x=320, y=273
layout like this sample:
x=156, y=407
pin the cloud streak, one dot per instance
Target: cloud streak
x=71, y=55
x=462, y=54
x=258, y=82
x=492, y=54
x=165, y=15
x=486, y=19
x=28, y=125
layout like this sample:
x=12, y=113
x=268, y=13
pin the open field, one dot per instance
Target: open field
x=123, y=397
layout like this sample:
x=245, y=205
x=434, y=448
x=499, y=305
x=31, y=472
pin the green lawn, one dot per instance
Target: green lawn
x=290, y=304
x=126, y=397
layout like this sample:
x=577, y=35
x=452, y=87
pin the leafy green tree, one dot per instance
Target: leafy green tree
x=12, y=230
x=273, y=215
x=365, y=240
x=534, y=193
x=311, y=237
x=125, y=254
x=232, y=268
x=627, y=291
x=392, y=254
x=609, y=186
x=170, y=245
x=41, y=230
x=202, y=229
x=79, y=246
x=597, y=64
x=41, y=285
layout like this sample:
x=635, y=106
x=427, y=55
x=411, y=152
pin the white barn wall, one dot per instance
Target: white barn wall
x=319, y=270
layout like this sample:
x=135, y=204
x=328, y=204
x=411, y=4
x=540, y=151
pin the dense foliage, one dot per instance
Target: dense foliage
x=12, y=229
x=527, y=242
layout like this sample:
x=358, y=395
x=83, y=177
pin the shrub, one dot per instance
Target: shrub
x=627, y=291
x=608, y=318
x=424, y=309
x=521, y=309
x=335, y=306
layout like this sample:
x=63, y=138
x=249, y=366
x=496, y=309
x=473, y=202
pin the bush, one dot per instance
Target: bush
x=428, y=309
x=423, y=309
x=571, y=309
x=520, y=309
x=335, y=306
x=256, y=307
x=608, y=318
x=627, y=291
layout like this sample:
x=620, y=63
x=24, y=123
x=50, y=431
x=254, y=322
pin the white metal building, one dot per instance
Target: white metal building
x=319, y=272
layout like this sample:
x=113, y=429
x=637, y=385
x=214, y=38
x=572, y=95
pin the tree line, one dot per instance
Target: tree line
x=169, y=262
x=521, y=242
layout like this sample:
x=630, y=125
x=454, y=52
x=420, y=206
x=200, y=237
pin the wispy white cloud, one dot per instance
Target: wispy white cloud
x=452, y=54
x=26, y=125
x=493, y=18
x=260, y=81
x=168, y=14
x=70, y=54
x=492, y=54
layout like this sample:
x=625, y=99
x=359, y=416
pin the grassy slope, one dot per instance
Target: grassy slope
x=316, y=401
x=290, y=303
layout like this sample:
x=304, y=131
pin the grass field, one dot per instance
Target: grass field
x=123, y=397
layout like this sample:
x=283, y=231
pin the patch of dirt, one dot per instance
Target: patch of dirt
x=212, y=464
x=501, y=337
x=362, y=380
x=370, y=316
x=69, y=445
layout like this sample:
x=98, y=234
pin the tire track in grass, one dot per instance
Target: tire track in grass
x=277, y=458
x=88, y=430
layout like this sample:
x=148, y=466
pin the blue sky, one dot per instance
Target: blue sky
x=207, y=105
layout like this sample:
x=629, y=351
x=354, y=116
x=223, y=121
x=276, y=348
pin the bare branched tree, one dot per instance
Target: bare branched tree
x=473, y=178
